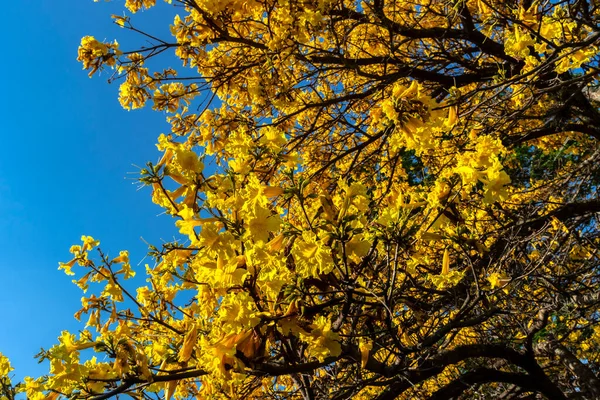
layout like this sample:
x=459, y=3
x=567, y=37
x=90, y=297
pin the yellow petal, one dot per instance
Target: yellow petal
x=452, y=117
x=188, y=344
x=364, y=347
x=431, y=236
x=276, y=244
x=446, y=262
x=272, y=191
x=292, y=308
x=170, y=389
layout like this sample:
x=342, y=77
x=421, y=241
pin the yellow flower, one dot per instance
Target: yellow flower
x=34, y=388
x=497, y=279
x=311, y=256
x=357, y=248
x=122, y=258
x=188, y=161
x=322, y=341
x=119, y=20
x=67, y=266
x=89, y=243
x=261, y=223
x=495, y=184
x=450, y=279
x=136, y=5
x=5, y=367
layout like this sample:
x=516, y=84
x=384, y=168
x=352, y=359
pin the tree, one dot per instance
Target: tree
x=379, y=199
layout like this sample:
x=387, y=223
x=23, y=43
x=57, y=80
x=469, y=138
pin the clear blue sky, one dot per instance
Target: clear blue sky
x=67, y=149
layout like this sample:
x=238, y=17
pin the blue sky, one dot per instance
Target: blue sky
x=65, y=166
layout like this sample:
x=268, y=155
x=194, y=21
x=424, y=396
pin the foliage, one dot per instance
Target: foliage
x=376, y=200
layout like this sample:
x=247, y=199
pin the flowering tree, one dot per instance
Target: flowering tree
x=378, y=199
